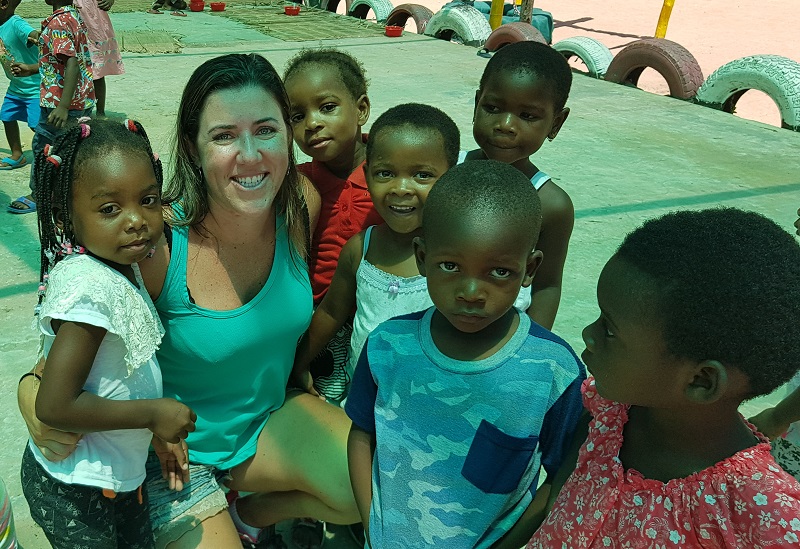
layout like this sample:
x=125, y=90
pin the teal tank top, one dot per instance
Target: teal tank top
x=231, y=367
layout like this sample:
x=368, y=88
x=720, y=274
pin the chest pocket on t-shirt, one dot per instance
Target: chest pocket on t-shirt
x=496, y=461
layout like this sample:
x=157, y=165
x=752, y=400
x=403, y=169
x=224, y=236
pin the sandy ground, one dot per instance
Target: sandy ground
x=623, y=156
x=714, y=31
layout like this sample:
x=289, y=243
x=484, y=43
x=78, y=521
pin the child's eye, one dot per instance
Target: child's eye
x=448, y=266
x=529, y=116
x=424, y=176
x=328, y=107
x=500, y=272
x=152, y=200
x=491, y=109
x=606, y=330
x=296, y=118
x=109, y=210
x=384, y=174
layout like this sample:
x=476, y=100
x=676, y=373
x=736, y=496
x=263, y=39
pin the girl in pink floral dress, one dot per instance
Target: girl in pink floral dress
x=698, y=312
x=106, y=57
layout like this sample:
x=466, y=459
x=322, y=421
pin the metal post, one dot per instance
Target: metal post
x=663, y=19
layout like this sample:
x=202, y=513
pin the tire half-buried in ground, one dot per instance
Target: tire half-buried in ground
x=511, y=33
x=360, y=8
x=593, y=53
x=401, y=14
x=460, y=23
x=776, y=76
x=671, y=60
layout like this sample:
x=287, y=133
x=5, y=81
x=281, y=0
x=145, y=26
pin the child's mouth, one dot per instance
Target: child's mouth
x=402, y=210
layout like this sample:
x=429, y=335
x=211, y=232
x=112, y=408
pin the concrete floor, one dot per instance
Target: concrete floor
x=623, y=155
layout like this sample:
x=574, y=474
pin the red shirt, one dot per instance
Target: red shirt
x=346, y=210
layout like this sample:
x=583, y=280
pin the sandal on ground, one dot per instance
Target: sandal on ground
x=308, y=533
x=11, y=164
x=30, y=206
x=155, y=11
x=178, y=13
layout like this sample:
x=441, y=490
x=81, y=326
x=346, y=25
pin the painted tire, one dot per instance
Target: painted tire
x=674, y=62
x=511, y=33
x=401, y=14
x=331, y=5
x=593, y=53
x=360, y=9
x=774, y=75
x=459, y=22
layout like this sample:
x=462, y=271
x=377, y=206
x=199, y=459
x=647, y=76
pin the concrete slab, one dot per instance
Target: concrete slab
x=624, y=156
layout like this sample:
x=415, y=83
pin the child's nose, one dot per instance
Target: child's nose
x=505, y=123
x=403, y=186
x=313, y=120
x=471, y=291
x=588, y=339
x=136, y=219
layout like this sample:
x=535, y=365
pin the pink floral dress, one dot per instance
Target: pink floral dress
x=745, y=501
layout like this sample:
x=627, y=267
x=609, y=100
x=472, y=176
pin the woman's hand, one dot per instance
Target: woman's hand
x=54, y=445
x=174, y=460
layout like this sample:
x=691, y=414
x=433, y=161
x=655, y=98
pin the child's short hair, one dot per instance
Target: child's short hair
x=350, y=69
x=422, y=117
x=56, y=169
x=536, y=59
x=727, y=288
x=487, y=191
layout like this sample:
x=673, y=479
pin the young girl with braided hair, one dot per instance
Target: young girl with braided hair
x=99, y=195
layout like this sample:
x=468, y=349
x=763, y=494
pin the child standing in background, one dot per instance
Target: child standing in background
x=409, y=148
x=21, y=102
x=99, y=192
x=327, y=90
x=687, y=331
x=455, y=408
x=66, y=91
x=106, y=57
x=521, y=102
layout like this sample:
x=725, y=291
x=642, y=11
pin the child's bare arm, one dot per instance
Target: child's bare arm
x=360, y=452
x=558, y=219
x=332, y=313
x=775, y=421
x=24, y=69
x=527, y=524
x=58, y=117
x=62, y=403
x=33, y=38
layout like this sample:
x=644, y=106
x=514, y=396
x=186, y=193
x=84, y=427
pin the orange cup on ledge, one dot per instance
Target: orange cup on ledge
x=393, y=31
x=291, y=10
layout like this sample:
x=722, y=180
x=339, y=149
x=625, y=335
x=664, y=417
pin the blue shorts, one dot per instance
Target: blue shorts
x=175, y=513
x=20, y=109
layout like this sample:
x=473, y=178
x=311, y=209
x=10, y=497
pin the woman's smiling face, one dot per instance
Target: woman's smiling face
x=242, y=146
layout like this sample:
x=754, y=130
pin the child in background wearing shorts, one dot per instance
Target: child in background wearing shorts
x=519, y=103
x=66, y=91
x=21, y=103
x=455, y=408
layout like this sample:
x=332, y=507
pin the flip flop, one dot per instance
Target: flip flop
x=178, y=13
x=13, y=164
x=155, y=11
x=31, y=206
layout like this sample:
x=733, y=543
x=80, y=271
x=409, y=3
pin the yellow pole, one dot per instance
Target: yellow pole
x=496, y=14
x=663, y=19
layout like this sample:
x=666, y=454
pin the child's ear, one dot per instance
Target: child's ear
x=558, y=121
x=709, y=382
x=58, y=218
x=534, y=260
x=362, y=104
x=419, y=253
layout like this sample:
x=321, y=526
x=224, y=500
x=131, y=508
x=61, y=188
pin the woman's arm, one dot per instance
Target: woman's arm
x=360, y=452
x=62, y=402
x=313, y=201
x=558, y=218
x=54, y=445
x=775, y=421
x=332, y=313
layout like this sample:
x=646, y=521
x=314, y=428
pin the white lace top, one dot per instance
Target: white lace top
x=83, y=289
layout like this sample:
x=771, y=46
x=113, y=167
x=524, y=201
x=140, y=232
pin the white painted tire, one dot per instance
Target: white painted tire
x=593, y=53
x=778, y=77
x=459, y=22
x=381, y=9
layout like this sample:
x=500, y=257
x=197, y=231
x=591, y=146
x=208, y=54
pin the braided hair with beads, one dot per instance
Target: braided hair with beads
x=61, y=164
